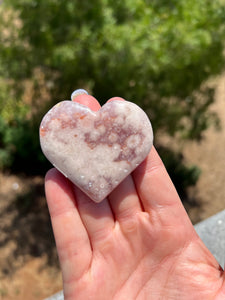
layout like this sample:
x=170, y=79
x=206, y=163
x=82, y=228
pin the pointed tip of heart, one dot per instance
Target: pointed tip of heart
x=78, y=92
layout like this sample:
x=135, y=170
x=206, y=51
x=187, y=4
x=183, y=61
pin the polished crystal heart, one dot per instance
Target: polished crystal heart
x=96, y=150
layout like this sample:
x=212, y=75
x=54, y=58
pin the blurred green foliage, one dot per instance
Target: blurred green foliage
x=155, y=53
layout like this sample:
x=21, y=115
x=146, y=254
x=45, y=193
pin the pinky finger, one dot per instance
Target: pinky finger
x=71, y=238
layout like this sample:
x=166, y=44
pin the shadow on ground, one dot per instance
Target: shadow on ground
x=185, y=178
x=26, y=230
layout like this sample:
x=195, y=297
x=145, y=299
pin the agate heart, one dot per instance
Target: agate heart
x=96, y=150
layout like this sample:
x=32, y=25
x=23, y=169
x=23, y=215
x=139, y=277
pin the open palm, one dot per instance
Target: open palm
x=137, y=244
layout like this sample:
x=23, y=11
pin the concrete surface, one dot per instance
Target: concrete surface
x=212, y=233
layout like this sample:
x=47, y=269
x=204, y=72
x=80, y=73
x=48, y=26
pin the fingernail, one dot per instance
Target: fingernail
x=78, y=93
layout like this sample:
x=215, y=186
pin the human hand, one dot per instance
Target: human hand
x=137, y=244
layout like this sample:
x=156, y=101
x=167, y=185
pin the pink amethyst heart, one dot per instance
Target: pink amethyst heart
x=96, y=150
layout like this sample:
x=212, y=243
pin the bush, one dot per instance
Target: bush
x=156, y=53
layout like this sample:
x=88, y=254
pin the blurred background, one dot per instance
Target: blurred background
x=166, y=56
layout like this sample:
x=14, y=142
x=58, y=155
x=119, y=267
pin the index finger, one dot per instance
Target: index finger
x=157, y=191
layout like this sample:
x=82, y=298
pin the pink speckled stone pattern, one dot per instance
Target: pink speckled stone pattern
x=96, y=150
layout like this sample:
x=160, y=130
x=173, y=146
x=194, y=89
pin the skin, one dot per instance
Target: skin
x=137, y=244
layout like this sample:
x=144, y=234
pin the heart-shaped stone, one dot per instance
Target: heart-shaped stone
x=96, y=150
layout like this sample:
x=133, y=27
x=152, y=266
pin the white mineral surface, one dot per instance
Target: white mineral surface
x=96, y=150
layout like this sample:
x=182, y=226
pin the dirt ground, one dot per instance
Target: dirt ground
x=29, y=266
x=209, y=155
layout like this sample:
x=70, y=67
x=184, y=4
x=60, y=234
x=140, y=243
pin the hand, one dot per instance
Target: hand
x=137, y=244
